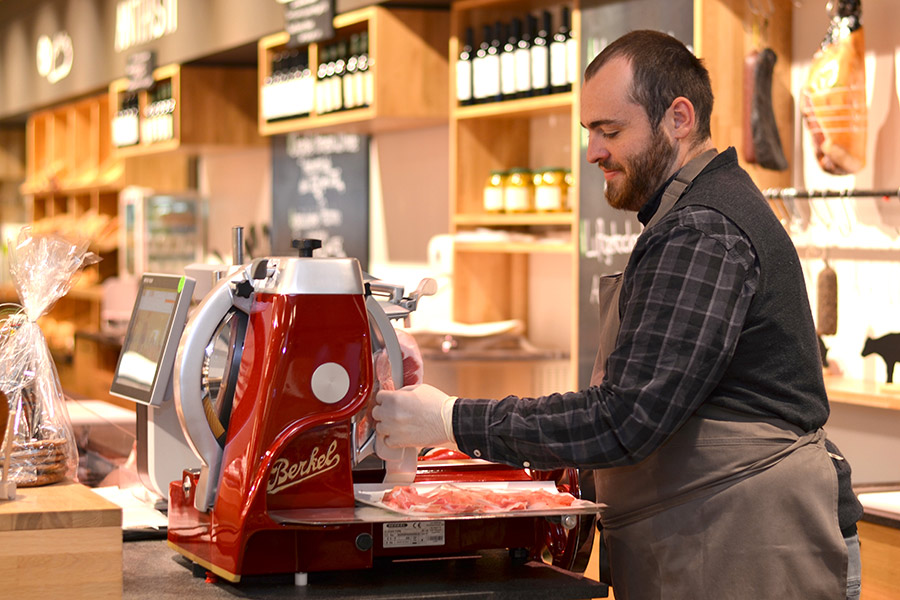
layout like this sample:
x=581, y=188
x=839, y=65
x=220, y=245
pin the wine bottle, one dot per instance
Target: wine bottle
x=464, y=70
x=540, y=56
x=508, y=61
x=523, y=61
x=288, y=87
x=149, y=115
x=337, y=80
x=365, y=64
x=479, y=91
x=267, y=93
x=320, y=86
x=350, y=99
x=330, y=104
x=167, y=114
x=572, y=72
x=305, y=86
x=126, y=125
x=492, y=66
x=559, y=74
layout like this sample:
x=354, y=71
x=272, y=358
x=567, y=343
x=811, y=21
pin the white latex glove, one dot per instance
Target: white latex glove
x=415, y=415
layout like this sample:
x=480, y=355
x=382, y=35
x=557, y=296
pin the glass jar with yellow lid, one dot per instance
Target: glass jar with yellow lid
x=549, y=189
x=493, y=200
x=571, y=190
x=518, y=193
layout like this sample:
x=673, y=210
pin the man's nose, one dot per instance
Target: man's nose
x=596, y=150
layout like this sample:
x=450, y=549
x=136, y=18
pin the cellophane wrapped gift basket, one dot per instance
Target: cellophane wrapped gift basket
x=39, y=446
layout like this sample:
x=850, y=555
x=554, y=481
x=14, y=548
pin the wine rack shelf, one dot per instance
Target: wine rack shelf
x=407, y=61
x=189, y=107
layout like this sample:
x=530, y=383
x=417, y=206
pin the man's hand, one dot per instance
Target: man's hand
x=415, y=415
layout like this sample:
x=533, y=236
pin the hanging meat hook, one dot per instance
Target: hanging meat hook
x=762, y=11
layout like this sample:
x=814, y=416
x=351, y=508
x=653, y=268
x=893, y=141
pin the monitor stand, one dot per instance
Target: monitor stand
x=162, y=451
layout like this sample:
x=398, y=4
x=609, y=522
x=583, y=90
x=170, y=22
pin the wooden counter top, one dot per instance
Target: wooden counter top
x=863, y=393
x=63, y=505
x=60, y=541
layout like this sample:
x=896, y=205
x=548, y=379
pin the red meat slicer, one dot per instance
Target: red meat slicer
x=285, y=438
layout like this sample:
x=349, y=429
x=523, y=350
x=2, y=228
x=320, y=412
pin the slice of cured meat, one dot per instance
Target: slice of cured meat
x=444, y=454
x=834, y=96
x=412, y=363
x=453, y=499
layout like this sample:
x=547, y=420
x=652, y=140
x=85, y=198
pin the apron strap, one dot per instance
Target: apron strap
x=682, y=180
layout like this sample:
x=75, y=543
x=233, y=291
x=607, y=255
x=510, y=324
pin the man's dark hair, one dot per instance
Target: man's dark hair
x=663, y=69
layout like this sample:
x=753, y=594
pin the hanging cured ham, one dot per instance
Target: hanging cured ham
x=834, y=97
x=762, y=144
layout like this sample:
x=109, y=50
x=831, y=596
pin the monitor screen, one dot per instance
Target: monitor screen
x=144, y=371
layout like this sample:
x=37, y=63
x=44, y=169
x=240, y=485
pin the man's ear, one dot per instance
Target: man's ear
x=681, y=118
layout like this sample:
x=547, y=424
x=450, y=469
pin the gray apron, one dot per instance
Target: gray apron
x=698, y=519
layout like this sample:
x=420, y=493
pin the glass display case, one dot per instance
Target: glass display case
x=160, y=233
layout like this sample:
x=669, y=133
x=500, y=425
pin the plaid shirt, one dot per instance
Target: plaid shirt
x=686, y=292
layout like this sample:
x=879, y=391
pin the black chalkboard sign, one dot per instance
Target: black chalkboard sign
x=308, y=21
x=606, y=236
x=320, y=190
x=139, y=68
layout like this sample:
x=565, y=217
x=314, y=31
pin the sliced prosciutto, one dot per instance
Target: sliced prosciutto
x=453, y=499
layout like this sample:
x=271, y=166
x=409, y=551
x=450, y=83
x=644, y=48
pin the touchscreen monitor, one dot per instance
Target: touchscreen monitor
x=144, y=371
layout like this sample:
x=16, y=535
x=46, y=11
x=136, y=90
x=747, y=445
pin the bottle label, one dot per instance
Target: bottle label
x=320, y=96
x=125, y=130
x=493, y=199
x=478, y=78
x=547, y=198
x=337, y=92
x=558, y=71
x=539, y=65
x=306, y=95
x=369, y=87
x=358, y=83
x=508, y=73
x=491, y=75
x=350, y=100
x=523, y=70
x=572, y=61
x=463, y=80
x=516, y=199
x=265, y=102
x=292, y=95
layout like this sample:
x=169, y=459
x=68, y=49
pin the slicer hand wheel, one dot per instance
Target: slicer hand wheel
x=564, y=547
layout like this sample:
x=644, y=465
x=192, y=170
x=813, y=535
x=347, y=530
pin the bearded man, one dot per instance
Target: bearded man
x=704, y=416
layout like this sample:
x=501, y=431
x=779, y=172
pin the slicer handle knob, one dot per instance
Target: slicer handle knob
x=305, y=247
x=259, y=269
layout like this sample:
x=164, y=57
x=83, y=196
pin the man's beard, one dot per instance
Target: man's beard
x=641, y=175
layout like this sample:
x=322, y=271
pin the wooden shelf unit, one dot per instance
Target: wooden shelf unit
x=863, y=393
x=491, y=278
x=68, y=147
x=408, y=57
x=73, y=178
x=214, y=107
x=72, y=181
